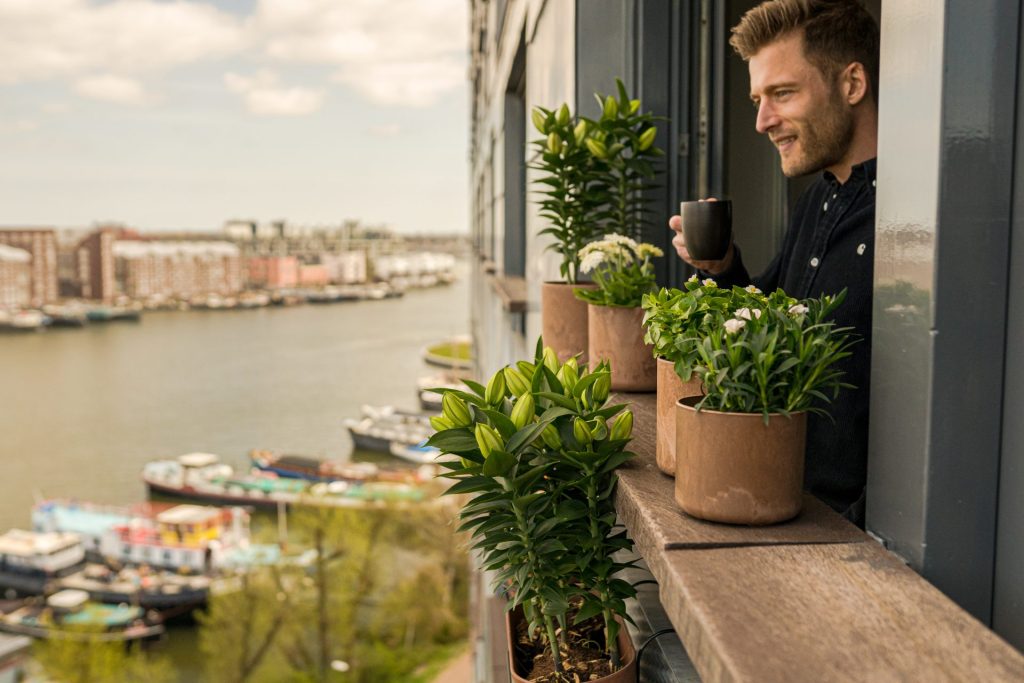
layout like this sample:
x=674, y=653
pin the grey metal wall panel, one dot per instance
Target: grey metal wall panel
x=604, y=50
x=1008, y=591
x=940, y=296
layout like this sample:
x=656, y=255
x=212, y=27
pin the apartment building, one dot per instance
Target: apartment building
x=177, y=269
x=15, y=277
x=41, y=244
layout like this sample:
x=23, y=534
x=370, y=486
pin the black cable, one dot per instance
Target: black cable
x=650, y=639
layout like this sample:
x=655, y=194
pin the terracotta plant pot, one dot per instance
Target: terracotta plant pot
x=616, y=335
x=563, y=319
x=732, y=467
x=670, y=390
x=626, y=674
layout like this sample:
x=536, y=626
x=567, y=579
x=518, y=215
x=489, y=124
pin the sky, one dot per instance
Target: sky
x=181, y=115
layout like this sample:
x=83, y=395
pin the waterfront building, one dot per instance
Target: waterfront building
x=313, y=275
x=272, y=272
x=94, y=265
x=15, y=277
x=177, y=269
x=41, y=243
x=345, y=268
x=946, y=458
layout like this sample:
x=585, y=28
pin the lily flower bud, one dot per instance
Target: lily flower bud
x=551, y=438
x=539, y=120
x=600, y=428
x=580, y=132
x=440, y=423
x=455, y=410
x=524, y=411
x=563, y=115
x=550, y=359
x=597, y=148
x=488, y=439
x=623, y=426
x=516, y=382
x=581, y=431
x=554, y=143
x=567, y=376
x=495, y=388
x=602, y=387
x=611, y=108
x=646, y=139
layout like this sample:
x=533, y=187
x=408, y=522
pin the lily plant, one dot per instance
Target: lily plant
x=535, y=451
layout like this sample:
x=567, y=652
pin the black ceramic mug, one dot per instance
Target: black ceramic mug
x=707, y=228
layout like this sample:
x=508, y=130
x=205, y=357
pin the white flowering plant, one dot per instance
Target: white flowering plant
x=769, y=353
x=622, y=269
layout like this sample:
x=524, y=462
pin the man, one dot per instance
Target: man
x=813, y=80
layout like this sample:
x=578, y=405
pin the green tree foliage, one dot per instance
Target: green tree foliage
x=94, y=661
x=375, y=581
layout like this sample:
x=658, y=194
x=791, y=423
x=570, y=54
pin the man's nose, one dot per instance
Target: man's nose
x=766, y=117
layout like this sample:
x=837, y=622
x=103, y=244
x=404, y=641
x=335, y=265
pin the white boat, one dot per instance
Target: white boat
x=419, y=453
x=379, y=427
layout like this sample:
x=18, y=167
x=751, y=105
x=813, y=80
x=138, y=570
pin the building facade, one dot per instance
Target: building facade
x=177, y=269
x=15, y=277
x=94, y=265
x=41, y=243
x=272, y=272
x=946, y=462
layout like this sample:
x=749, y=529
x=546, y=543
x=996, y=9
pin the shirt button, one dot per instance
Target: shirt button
x=814, y=262
x=872, y=183
x=826, y=207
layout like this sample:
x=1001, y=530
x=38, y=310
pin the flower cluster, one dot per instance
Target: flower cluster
x=753, y=352
x=621, y=268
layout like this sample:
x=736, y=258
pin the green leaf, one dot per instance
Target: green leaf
x=498, y=464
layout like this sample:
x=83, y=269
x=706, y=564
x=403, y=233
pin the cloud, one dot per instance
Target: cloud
x=74, y=38
x=385, y=130
x=401, y=52
x=263, y=96
x=111, y=88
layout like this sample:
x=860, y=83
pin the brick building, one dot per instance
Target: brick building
x=94, y=265
x=176, y=269
x=41, y=244
x=15, y=277
x=272, y=272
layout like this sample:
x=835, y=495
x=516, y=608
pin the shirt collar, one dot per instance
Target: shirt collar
x=863, y=172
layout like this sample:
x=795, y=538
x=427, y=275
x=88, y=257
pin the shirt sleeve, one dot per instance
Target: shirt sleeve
x=735, y=275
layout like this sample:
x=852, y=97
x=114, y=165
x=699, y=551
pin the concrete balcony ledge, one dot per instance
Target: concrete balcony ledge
x=511, y=291
x=814, y=599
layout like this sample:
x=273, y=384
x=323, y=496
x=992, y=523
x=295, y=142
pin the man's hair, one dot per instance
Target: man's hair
x=836, y=33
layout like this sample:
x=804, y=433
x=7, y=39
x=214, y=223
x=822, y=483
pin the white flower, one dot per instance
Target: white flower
x=708, y=282
x=693, y=278
x=735, y=325
x=644, y=250
x=615, y=238
x=591, y=260
x=745, y=313
x=752, y=289
x=798, y=309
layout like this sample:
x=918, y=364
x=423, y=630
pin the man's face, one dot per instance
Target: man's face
x=802, y=113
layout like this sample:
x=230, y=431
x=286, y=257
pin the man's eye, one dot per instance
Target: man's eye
x=782, y=94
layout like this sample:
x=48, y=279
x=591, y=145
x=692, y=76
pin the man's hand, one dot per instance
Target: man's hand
x=679, y=242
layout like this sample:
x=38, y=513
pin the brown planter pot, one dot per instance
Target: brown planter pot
x=563, y=319
x=616, y=335
x=627, y=674
x=670, y=390
x=732, y=467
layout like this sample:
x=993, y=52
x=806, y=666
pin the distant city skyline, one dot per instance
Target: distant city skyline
x=185, y=115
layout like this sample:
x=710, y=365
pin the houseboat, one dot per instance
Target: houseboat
x=378, y=427
x=70, y=615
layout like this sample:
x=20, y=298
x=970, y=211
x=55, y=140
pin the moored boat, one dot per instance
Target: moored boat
x=69, y=614
x=419, y=453
x=380, y=426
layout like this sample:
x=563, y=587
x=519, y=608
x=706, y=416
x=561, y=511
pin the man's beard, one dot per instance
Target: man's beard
x=824, y=139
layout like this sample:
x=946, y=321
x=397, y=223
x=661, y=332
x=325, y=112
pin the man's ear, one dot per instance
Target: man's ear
x=853, y=83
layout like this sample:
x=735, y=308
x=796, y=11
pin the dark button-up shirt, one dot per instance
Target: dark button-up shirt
x=830, y=245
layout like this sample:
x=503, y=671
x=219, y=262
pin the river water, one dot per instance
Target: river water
x=82, y=410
